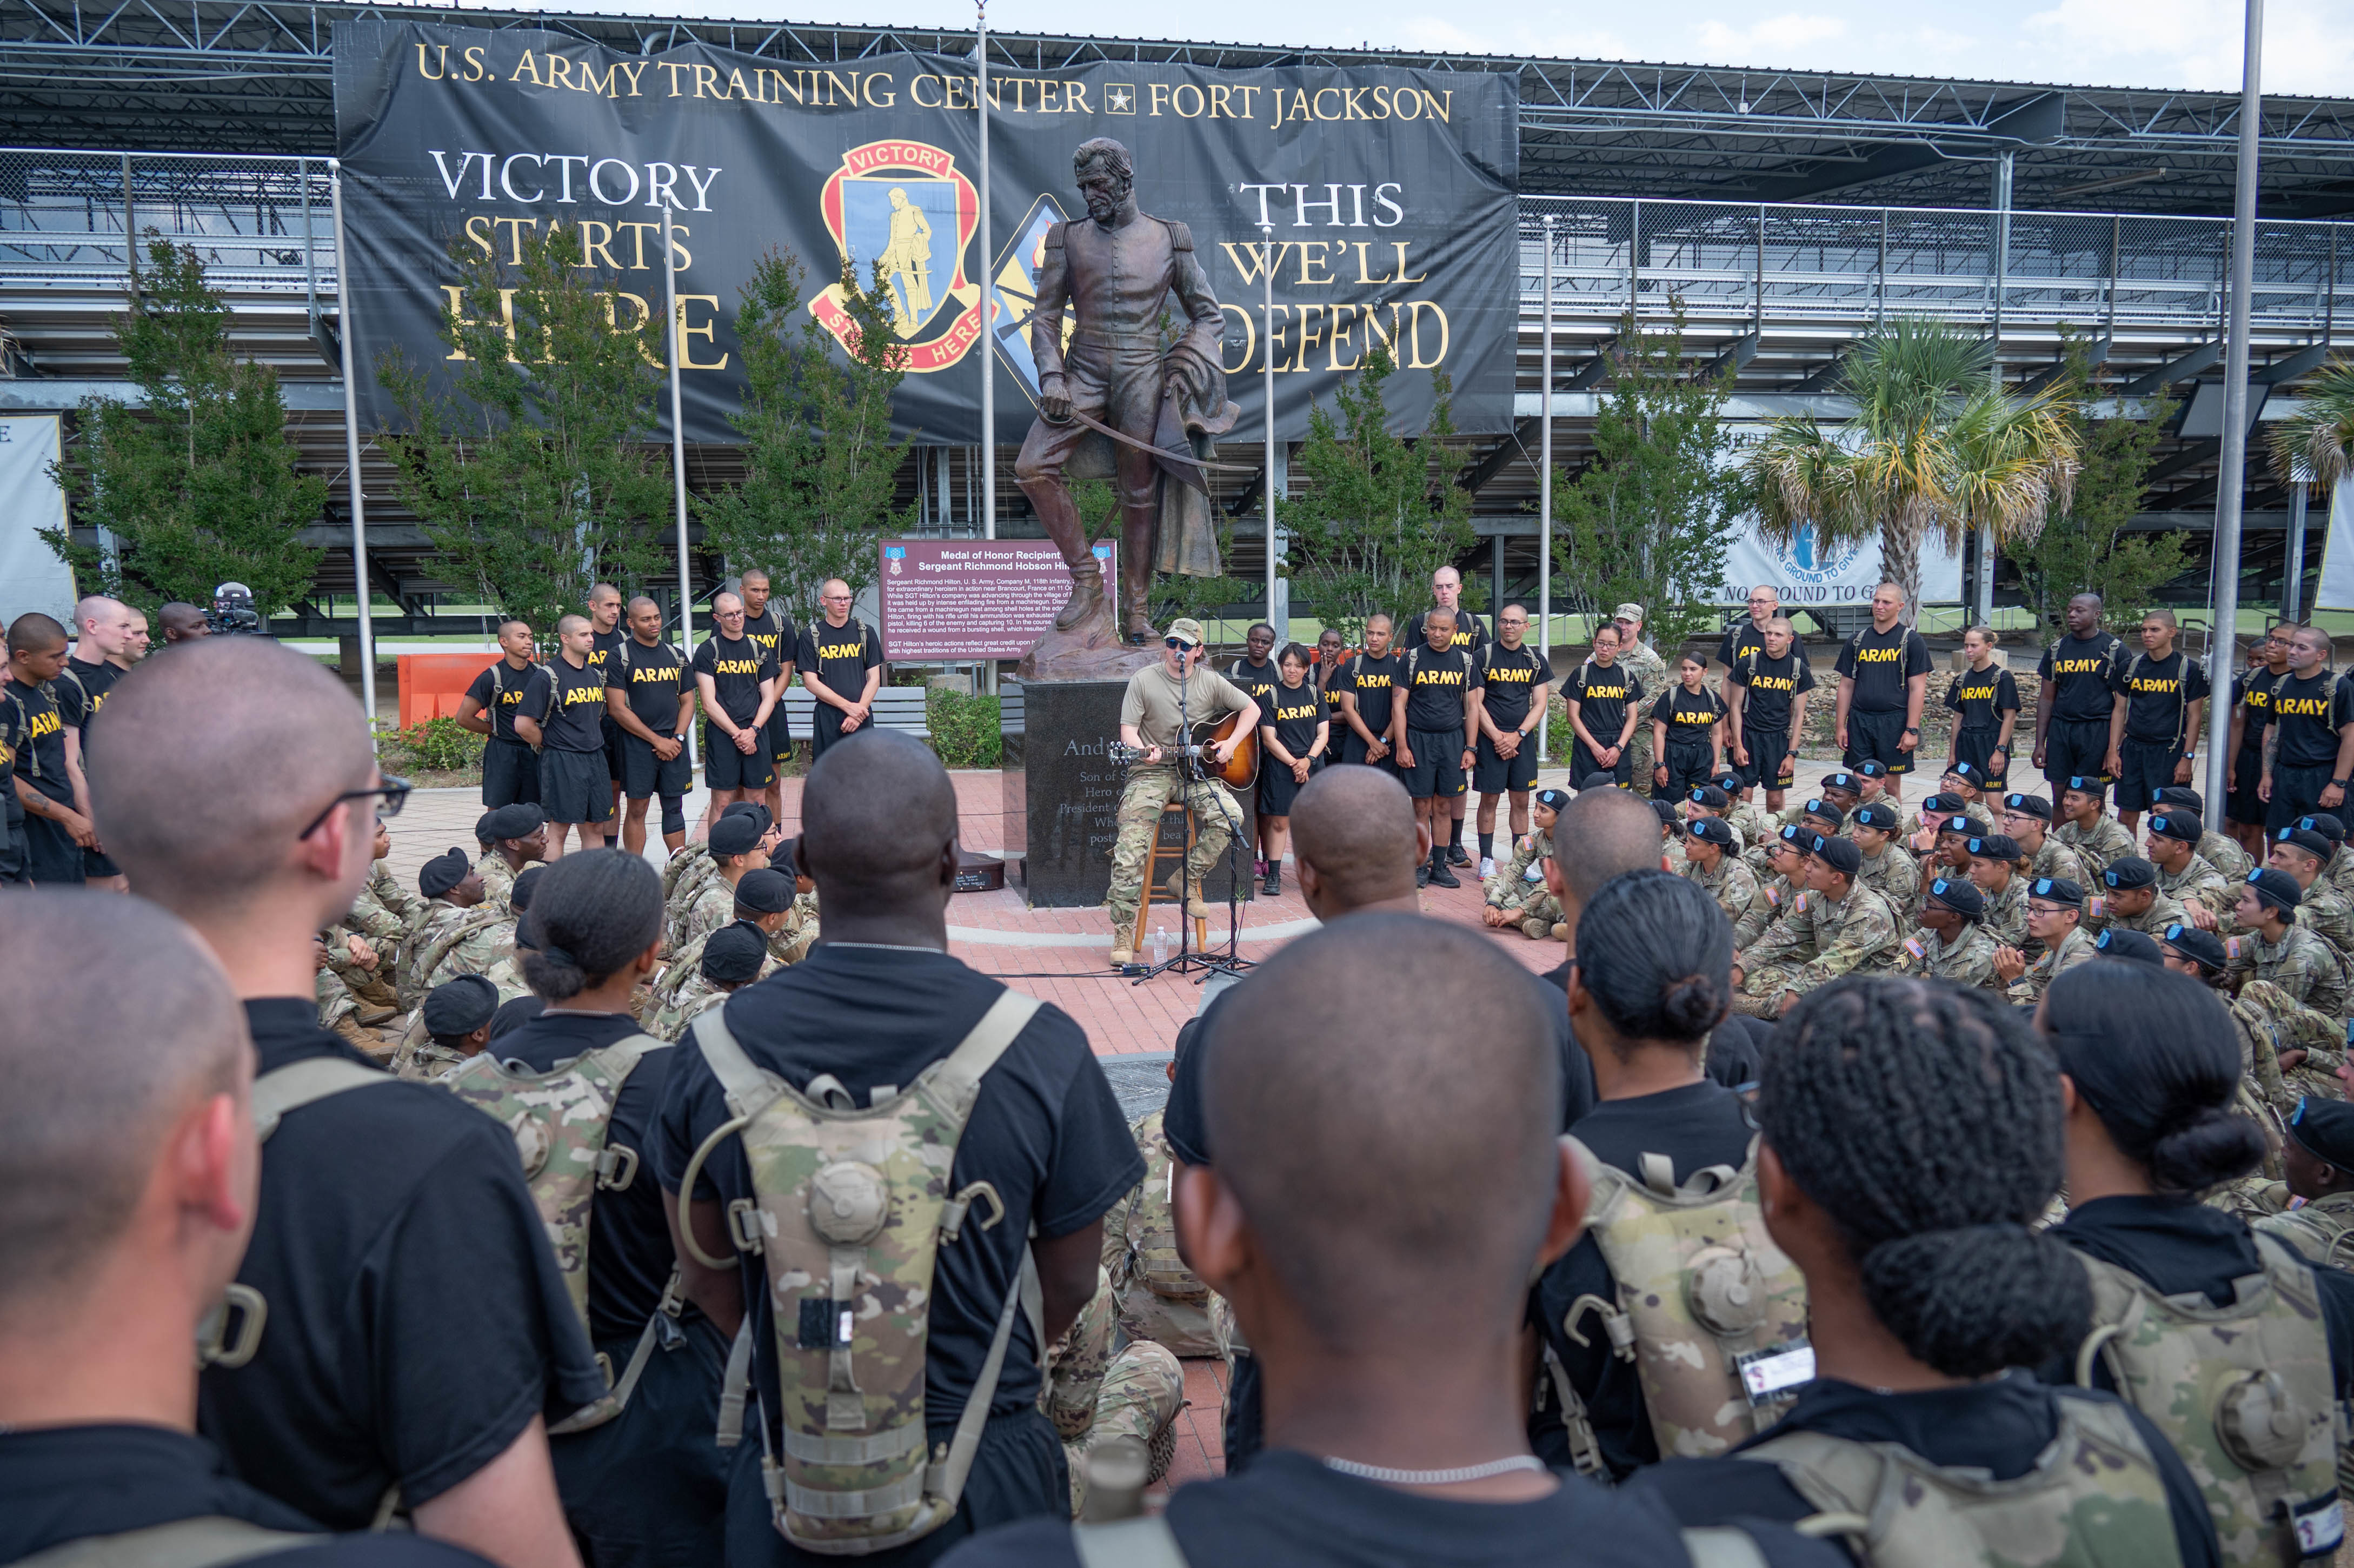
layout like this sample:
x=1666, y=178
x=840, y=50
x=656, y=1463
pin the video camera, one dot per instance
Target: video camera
x=232, y=613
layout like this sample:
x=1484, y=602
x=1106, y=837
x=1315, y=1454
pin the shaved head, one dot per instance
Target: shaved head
x=211, y=763
x=1614, y=831
x=33, y=632
x=565, y=623
x=1438, y=1233
x=1355, y=827
x=182, y=620
x=602, y=592
x=875, y=816
x=93, y=1077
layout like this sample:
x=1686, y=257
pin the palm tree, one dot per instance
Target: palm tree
x=2320, y=439
x=1934, y=443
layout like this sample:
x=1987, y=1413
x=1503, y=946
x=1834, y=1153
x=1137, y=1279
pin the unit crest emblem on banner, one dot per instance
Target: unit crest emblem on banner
x=903, y=208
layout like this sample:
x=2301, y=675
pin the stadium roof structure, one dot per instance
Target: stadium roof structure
x=253, y=75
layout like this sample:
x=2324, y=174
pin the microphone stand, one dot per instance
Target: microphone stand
x=1185, y=961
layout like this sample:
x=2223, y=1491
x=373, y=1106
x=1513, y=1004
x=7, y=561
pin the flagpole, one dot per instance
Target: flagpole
x=352, y=452
x=988, y=321
x=678, y=460
x=1267, y=490
x=1545, y=492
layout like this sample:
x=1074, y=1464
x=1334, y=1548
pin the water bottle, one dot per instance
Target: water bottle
x=1160, y=945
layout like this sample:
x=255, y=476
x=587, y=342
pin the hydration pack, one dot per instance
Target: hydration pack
x=1161, y=1299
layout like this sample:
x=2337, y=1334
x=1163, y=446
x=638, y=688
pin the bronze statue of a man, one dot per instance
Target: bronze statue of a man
x=1114, y=273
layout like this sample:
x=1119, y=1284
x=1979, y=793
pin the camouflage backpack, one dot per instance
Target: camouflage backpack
x=1712, y=1314
x=2323, y=1230
x=207, y=1541
x=853, y=1205
x=1159, y=1299
x=2094, y=1499
x=2240, y=1391
x=423, y=950
x=561, y=1119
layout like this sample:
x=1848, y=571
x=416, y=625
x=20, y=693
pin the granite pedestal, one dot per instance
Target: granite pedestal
x=1062, y=794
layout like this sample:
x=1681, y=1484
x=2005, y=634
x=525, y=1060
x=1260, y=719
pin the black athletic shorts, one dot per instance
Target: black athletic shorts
x=1690, y=765
x=612, y=733
x=2148, y=767
x=574, y=786
x=1771, y=761
x=644, y=774
x=777, y=734
x=2075, y=749
x=97, y=863
x=1582, y=765
x=1277, y=788
x=510, y=775
x=2241, y=803
x=1438, y=763
x=12, y=850
x=725, y=767
x=2297, y=792
x=1976, y=747
x=1353, y=750
x=1877, y=737
x=52, y=859
x=1494, y=775
x=826, y=728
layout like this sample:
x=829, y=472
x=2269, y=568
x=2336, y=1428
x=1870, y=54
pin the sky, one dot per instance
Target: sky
x=2192, y=43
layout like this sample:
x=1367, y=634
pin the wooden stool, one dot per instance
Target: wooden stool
x=1163, y=851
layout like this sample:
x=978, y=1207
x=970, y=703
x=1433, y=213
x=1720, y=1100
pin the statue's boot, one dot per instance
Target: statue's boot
x=1086, y=601
x=1136, y=574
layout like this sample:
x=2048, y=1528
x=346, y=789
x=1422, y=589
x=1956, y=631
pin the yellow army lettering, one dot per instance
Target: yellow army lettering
x=1438, y=677
x=667, y=676
x=1975, y=694
x=1311, y=710
x=735, y=666
x=579, y=695
x=1775, y=683
x=2147, y=686
x=1511, y=677
x=1593, y=692
x=1878, y=655
x=839, y=649
x=1372, y=683
x=2074, y=666
x=510, y=698
x=44, y=723
x=2304, y=707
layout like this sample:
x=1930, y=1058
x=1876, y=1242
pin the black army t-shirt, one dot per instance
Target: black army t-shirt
x=1258, y=680
x=1738, y=641
x=2253, y=689
x=737, y=670
x=81, y=691
x=839, y=656
x=655, y=676
x=61, y=1484
x=2159, y=693
x=1468, y=632
x=1689, y=715
x=569, y=706
x=418, y=1320
x=602, y=645
x=1980, y=697
x=1511, y=676
x=1880, y=665
x=1603, y=696
x=1294, y=712
x=1374, y=681
x=629, y=1252
x=2079, y=670
x=772, y=633
x=1434, y=684
x=38, y=732
x=503, y=691
x=2309, y=711
x=1772, y=685
x=1047, y=1132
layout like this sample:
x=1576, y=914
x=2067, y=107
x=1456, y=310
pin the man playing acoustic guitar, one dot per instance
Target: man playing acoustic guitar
x=1163, y=703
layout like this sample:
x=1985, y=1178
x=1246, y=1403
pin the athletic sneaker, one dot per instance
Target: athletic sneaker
x=1422, y=875
x=1442, y=877
x=1273, y=886
x=1487, y=866
x=1458, y=856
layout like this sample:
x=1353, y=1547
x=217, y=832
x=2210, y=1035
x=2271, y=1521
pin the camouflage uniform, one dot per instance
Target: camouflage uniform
x=1091, y=1396
x=2104, y=841
x=498, y=880
x=450, y=942
x=686, y=863
x=416, y=1056
x=1159, y=1298
x=1968, y=961
x=2151, y=922
x=1640, y=660
x=1815, y=944
x=1750, y=823
x=2321, y=1229
x=692, y=883
x=713, y=907
x=2226, y=856
x=667, y=1017
x=2324, y=912
x=1733, y=885
x=2075, y=949
x=2006, y=913
x=2303, y=967
x=2268, y=1011
x=384, y=910
x=1774, y=899
x=1896, y=876
x=2056, y=860
x=2198, y=882
x=1148, y=790
x=1509, y=889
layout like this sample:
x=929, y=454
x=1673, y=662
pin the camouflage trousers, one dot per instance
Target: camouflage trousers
x=1761, y=989
x=1639, y=748
x=1148, y=791
x=1539, y=915
x=2267, y=1013
x=1092, y=1395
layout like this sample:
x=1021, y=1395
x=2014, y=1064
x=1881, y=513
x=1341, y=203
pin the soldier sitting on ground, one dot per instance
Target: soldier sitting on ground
x=459, y=935
x=453, y=1024
x=1838, y=926
x=2185, y=875
x=2130, y=900
x=1952, y=942
x=517, y=837
x=1710, y=861
x=1516, y=893
x=2055, y=915
x=2273, y=1070
x=2317, y=1158
x=2293, y=976
x=724, y=962
x=1158, y=1297
x=1096, y=1389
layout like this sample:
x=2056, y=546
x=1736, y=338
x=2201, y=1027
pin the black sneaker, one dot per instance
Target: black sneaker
x=1442, y=877
x=1273, y=886
x=1422, y=875
x=1456, y=855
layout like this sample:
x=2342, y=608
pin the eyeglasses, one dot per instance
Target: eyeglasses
x=1179, y=643
x=395, y=793
x=2035, y=908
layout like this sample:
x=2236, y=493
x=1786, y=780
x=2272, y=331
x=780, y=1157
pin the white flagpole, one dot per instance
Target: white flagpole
x=988, y=321
x=1545, y=491
x=1267, y=490
x=352, y=451
x=678, y=459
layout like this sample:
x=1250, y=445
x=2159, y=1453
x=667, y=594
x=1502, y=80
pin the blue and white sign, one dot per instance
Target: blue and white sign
x=1807, y=572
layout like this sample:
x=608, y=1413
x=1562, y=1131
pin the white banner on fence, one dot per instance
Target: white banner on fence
x=1805, y=571
x=2336, y=590
x=31, y=575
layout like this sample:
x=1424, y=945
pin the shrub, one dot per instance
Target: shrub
x=437, y=745
x=964, y=728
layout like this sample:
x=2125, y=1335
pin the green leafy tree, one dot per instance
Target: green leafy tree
x=1651, y=520
x=540, y=476
x=2317, y=442
x=2084, y=546
x=198, y=485
x=1379, y=512
x=820, y=466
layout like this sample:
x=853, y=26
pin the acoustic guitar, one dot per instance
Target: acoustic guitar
x=1198, y=759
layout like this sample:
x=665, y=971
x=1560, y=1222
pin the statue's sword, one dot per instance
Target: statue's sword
x=1167, y=454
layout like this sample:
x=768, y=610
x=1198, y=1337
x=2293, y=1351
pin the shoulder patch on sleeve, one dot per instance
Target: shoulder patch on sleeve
x=1055, y=236
x=1180, y=236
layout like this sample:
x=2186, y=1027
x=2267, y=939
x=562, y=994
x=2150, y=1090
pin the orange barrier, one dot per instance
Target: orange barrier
x=431, y=683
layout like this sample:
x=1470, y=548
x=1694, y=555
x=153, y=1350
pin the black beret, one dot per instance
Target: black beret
x=1818, y=807
x=745, y=809
x=1797, y=837
x=2034, y=806
x=2057, y=890
x=2184, y=796
x=1959, y=895
x=1949, y=804
x=2128, y=872
x=732, y=954
x=2086, y=784
x=2117, y=942
x=1708, y=795
x=1712, y=830
x=2278, y=889
x=1597, y=782
x=1877, y=815
x=1967, y=826
x=765, y=892
x=1841, y=854
x=460, y=1006
x=527, y=883
x=1729, y=783
x=2311, y=844
x=1663, y=810
x=483, y=828
x=519, y=821
x=2327, y=825
x=1967, y=772
x=735, y=836
x=2201, y=947
x=1995, y=846
x=512, y=1015
x=1873, y=767
x=443, y=872
x=1553, y=800
x=1842, y=779
x=2180, y=826
x=2326, y=1129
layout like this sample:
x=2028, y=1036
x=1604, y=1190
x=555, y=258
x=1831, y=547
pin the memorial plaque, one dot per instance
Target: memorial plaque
x=974, y=599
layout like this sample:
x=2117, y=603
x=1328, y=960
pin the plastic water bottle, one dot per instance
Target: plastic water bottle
x=1160, y=945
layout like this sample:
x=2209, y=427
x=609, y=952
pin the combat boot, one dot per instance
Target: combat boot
x=1087, y=600
x=1122, y=955
x=1195, y=904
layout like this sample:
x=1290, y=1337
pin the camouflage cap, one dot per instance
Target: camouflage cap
x=1633, y=613
x=1186, y=630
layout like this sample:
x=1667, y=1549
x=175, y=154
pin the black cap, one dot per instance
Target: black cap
x=2311, y=844
x=1840, y=855
x=2326, y=1129
x=460, y=1006
x=2128, y=872
x=1872, y=768
x=1797, y=837
x=2034, y=806
x=2201, y=947
x=1995, y=846
x=2180, y=826
x=2278, y=889
x=1818, y=807
x=512, y=1015
x=1597, y=782
x=519, y=821
x=1730, y=781
x=1708, y=795
x=1663, y=810
x=732, y=954
x=1843, y=780
x=2327, y=825
x=1959, y=895
x=754, y=810
x=735, y=836
x=1877, y=815
x=2057, y=890
x=527, y=883
x=1948, y=804
x=443, y=872
x=1553, y=800
x=483, y=828
x=2181, y=795
x=1711, y=831
x=1967, y=772
x=2086, y=784
x=2117, y=942
x=765, y=892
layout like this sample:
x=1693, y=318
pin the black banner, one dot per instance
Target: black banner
x=1390, y=193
